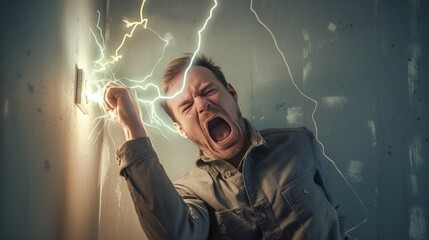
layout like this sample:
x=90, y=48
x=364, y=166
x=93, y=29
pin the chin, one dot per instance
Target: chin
x=230, y=152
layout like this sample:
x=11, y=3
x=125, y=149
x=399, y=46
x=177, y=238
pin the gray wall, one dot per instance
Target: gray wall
x=365, y=62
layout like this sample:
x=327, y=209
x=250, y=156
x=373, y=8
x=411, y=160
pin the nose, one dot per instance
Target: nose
x=202, y=104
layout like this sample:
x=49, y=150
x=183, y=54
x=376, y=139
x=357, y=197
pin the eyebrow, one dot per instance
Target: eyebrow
x=188, y=99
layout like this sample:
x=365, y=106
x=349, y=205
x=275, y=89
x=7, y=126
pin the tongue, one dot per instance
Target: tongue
x=220, y=131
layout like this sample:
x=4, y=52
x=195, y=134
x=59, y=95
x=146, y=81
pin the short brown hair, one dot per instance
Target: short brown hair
x=178, y=66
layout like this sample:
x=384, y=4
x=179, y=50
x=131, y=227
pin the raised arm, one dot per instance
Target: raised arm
x=122, y=103
x=163, y=212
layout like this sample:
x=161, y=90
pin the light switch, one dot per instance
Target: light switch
x=81, y=98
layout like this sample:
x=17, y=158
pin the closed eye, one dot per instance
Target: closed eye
x=186, y=107
x=209, y=92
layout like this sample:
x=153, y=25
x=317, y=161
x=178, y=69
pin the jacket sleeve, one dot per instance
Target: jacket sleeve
x=163, y=212
x=321, y=180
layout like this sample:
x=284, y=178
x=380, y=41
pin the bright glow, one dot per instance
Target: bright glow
x=102, y=65
x=150, y=103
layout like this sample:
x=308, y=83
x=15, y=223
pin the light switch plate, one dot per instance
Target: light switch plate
x=81, y=98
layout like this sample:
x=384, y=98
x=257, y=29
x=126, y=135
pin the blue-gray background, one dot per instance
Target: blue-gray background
x=365, y=62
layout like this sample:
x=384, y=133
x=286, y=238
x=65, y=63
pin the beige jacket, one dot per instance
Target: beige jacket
x=280, y=192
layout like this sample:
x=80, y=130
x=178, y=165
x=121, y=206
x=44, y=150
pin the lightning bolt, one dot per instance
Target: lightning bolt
x=151, y=103
x=102, y=65
x=143, y=22
x=155, y=122
x=312, y=117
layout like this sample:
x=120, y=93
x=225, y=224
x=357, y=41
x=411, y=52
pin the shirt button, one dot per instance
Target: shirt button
x=223, y=227
x=305, y=191
x=228, y=174
x=263, y=215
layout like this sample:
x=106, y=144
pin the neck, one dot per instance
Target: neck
x=236, y=160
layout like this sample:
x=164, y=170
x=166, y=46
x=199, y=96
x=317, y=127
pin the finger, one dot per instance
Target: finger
x=106, y=93
x=110, y=101
x=107, y=86
x=102, y=103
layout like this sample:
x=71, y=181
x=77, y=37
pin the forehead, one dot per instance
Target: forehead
x=197, y=77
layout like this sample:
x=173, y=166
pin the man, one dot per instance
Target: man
x=245, y=185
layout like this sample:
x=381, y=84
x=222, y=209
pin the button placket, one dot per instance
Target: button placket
x=259, y=202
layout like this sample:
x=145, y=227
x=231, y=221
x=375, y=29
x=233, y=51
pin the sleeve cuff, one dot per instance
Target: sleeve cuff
x=136, y=150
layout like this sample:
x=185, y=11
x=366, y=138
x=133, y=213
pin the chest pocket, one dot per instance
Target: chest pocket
x=314, y=213
x=231, y=224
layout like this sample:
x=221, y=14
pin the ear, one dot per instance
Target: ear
x=180, y=130
x=232, y=91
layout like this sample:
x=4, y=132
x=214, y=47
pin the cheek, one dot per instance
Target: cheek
x=230, y=106
x=190, y=123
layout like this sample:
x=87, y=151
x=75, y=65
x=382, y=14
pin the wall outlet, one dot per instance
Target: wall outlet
x=81, y=99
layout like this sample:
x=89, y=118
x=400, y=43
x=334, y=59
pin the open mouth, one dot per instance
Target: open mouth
x=219, y=129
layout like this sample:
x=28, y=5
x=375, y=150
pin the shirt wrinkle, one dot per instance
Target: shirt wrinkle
x=275, y=196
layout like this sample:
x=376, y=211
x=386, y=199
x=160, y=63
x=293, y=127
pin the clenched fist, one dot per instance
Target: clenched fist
x=122, y=103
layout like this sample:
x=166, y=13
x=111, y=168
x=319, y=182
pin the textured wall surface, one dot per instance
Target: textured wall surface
x=364, y=62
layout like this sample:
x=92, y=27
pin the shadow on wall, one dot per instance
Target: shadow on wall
x=49, y=166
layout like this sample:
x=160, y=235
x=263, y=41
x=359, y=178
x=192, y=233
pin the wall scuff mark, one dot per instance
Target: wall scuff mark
x=414, y=185
x=295, y=116
x=334, y=101
x=417, y=230
x=371, y=126
x=414, y=151
x=354, y=171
